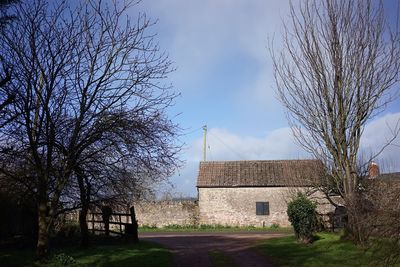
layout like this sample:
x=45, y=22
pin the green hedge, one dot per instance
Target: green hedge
x=302, y=215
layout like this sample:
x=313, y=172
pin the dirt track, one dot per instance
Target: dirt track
x=192, y=249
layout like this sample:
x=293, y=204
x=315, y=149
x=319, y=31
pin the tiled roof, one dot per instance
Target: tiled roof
x=259, y=173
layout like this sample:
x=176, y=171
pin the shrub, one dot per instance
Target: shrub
x=63, y=259
x=147, y=226
x=302, y=216
x=274, y=226
x=175, y=226
x=214, y=226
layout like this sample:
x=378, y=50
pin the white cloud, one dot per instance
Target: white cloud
x=225, y=145
x=279, y=143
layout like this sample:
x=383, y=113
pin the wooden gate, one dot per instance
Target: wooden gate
x=112, y=222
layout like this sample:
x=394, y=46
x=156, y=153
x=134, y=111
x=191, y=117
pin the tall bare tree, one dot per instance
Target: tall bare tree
x=6, y=96
x=87, y=79
x=338, y=68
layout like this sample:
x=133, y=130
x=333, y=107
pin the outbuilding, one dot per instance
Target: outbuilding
x=256, y=192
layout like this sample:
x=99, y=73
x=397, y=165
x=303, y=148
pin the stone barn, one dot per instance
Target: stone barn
x=243, y=193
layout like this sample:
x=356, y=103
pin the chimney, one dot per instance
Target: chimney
x=373, y=170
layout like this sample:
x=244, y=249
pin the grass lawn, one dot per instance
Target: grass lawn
x=114, y=253
x=328, y=250
x=219, y=259
x=213, y=228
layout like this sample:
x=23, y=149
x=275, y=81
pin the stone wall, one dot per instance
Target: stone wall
x=163, y=213
x=237, y=206
x=234, y=206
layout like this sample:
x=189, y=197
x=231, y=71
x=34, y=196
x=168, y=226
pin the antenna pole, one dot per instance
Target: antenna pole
x=205, y=142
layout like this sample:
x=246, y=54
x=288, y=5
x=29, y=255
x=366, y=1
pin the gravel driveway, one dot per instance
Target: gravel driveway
x=192, y=249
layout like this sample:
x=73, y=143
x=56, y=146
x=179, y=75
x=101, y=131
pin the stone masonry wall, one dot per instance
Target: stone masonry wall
x=226, y=206
x=163, y=213
x=237, y=206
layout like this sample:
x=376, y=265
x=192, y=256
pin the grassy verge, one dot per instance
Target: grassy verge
x=327, y=250
x=219, y=259
x=212, y=228
x=104, y=253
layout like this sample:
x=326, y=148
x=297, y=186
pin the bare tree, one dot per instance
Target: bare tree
x=87, y=80
x=339, y=68
x=6, y=96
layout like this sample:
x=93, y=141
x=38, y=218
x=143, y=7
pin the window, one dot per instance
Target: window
x=262, y=208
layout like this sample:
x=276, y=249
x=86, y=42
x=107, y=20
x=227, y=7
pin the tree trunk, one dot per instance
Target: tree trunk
x=43, y=235
x=355, y=228
x=134, y=224
x=106, y=213
x=85, y=200
x=83, y=226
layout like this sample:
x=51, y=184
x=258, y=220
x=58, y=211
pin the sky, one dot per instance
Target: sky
x=224, y=75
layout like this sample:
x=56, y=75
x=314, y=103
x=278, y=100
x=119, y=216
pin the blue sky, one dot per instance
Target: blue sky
x=224, y=75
